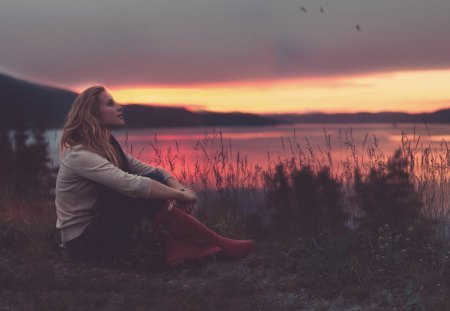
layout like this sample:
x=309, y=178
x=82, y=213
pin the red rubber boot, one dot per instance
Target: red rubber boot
x=183, y=226
x=179, y=252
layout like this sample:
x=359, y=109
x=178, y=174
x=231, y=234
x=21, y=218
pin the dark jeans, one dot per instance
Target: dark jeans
x=109, y=235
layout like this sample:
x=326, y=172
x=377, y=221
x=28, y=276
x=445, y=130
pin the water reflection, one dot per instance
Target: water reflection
x=330, y=142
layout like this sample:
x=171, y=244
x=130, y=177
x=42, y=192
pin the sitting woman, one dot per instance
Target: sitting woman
x=103, y=193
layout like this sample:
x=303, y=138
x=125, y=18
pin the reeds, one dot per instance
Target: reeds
x=329, y=186
x=416, y=174
x=340, y=219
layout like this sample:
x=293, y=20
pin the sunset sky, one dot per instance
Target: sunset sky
x=237, y=55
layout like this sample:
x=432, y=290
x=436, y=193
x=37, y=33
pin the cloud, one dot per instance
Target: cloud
x=203, y=41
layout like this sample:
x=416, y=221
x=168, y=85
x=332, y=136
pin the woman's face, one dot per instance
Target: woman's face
x=110, y=114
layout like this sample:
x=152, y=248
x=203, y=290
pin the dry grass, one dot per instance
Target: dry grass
x=381, y=269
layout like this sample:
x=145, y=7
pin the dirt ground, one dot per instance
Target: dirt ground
x=257, y=282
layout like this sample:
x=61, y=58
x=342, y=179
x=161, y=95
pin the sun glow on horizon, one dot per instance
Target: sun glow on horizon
x=408, y=91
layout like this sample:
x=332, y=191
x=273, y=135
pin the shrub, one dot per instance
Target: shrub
x=388, y=196
x=24, y=171
x=305, y=203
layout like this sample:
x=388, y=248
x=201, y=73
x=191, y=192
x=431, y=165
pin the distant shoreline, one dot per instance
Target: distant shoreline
x=47, y=107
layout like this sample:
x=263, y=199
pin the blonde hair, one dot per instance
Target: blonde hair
x=82, y=126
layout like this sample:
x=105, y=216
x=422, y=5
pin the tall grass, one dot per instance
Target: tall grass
x=230, y=188
x=310, y=190
x=340, y=178
x=347, y=220
x=342, y=219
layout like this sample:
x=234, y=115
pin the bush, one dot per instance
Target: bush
x=388, y=196
x=24, y=171
x=305, y=203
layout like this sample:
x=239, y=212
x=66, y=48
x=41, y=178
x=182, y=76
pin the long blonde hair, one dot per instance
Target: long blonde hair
x=83, y=127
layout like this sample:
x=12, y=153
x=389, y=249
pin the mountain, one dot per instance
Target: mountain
x=138, y=116
x=30, y=102
x=441, y=116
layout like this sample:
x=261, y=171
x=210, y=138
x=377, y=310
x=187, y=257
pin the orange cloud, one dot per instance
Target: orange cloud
x=409, y=91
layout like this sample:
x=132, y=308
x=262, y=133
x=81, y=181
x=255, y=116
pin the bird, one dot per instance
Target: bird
x=321, y=10
x=358, y=27
x=303, y=9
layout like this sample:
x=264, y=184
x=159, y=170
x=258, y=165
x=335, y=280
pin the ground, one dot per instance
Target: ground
x=258, y=282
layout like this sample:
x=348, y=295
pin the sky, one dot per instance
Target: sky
x=260, y=56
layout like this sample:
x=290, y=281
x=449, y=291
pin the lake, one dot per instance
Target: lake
x=259, y=144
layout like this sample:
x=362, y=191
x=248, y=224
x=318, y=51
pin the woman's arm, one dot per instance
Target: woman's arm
x=141, y=168
x=160, y=191
x=188, y=206
x=174, y=183
x=96, y=168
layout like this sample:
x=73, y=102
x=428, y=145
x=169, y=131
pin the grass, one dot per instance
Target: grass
x=368, y=229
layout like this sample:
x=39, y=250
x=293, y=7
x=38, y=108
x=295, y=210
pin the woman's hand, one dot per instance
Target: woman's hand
x=188, y=204
x=188, y=197
x=187, y=207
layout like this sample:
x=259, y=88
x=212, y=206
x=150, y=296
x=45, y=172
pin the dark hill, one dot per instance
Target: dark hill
x=32, y=102
x=441, y=116
x=137, y=116
x=155, y=116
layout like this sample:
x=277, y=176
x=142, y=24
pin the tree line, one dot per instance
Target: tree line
x=24, y=162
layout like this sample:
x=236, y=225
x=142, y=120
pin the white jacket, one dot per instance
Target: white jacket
x=76, y=194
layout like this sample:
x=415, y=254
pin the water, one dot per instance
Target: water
x=270, y=142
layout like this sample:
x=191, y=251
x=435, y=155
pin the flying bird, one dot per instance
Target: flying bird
x=358, y=27
x=321, y=10
x=303, y=9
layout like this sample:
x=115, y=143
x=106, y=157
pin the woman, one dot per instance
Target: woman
x=102, y=193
